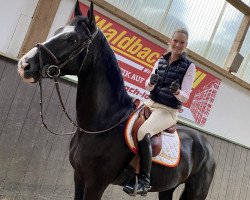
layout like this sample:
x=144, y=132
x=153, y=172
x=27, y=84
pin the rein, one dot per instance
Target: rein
x=53, y=71
x=55, y=78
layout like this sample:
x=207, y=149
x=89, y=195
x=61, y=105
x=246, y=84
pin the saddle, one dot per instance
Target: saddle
x=156, y=140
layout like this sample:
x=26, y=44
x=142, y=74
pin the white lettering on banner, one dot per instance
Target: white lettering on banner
x=125, y=73
x=137, y=78
x=136, y=92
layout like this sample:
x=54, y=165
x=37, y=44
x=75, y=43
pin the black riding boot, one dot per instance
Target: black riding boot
x=145, y=153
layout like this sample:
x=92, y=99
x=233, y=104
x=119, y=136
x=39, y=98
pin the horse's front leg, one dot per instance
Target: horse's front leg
x=79, y=186
x=94, y=191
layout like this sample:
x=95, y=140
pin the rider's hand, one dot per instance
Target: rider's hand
x=154, y=78
x=174, y=87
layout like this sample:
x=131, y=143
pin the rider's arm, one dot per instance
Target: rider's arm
x=186, y=86
x=148, y=86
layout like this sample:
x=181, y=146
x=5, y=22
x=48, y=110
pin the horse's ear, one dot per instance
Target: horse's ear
x=78, y=11
x=91, y=15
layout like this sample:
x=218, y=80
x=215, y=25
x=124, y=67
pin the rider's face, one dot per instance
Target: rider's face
x=178, y=43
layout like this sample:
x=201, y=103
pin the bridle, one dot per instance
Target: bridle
x=53, y=71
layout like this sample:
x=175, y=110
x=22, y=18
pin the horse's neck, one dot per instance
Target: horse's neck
x=102, y=99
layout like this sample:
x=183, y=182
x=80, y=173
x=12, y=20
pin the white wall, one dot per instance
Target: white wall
x=230, y=115
x=62, y=16
x=15, y=18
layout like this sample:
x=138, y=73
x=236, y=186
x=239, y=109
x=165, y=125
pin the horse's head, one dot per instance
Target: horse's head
x=63, y=54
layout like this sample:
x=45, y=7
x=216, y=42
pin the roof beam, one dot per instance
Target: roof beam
x=240, y=5
x=238, y=41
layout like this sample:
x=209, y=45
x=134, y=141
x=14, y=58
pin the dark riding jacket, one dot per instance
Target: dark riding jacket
x=167, y=74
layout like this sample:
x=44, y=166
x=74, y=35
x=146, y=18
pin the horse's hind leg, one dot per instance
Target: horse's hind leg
x=195, y=189
x=79, y=187
x=166, y=195
x=197, y=186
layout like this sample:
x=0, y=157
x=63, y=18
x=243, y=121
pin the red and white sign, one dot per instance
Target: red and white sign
x=136, y=56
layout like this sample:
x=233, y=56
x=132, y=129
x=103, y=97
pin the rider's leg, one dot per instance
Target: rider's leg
x=145, y=153
x=160, y=119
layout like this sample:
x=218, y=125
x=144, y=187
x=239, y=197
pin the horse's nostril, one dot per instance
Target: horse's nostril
x=27, y=72
x=27, y=68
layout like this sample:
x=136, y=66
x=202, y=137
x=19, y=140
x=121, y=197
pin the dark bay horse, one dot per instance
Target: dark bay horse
x=98, y=153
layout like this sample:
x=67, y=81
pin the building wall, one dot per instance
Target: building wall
x=15, y=18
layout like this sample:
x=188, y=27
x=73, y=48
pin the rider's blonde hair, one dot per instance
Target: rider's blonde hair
x=181, y=30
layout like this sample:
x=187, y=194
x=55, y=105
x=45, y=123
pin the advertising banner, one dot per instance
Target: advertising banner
x=136, y=56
